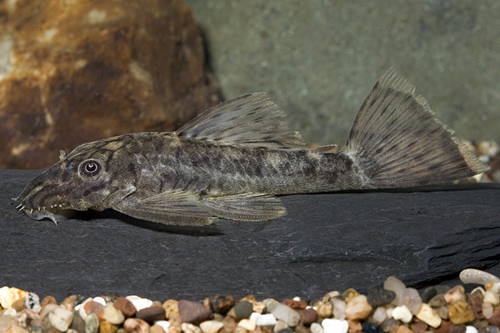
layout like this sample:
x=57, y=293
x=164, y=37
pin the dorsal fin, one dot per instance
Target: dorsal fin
x=249, y=120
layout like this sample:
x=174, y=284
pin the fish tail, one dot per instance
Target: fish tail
x=396, y=141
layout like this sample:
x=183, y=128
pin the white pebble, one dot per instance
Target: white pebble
x=33, y=302
x=491, y=298
x=266, y=320
x=338, y=308
x=9, y=312
x=190, y=328
x=100, y=300
x=164, y=324
x=254, y=316
x=60, y=319
x=471, y=275
x=429, y=316
x=335, y=325
x=140, y=303
x=379, y=315
x=396, y=285
x=316, y=328
x=402, y=313
x=287, y=314
x=470, y=329
x=10, y=295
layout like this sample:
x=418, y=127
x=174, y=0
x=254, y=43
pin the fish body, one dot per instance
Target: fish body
x=231, y=161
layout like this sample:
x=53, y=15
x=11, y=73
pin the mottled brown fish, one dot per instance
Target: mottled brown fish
x=232, y=160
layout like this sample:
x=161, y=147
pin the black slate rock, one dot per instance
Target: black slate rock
x=422, y=236
x=379, y=296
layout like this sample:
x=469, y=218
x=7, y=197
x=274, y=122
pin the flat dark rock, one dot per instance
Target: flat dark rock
x=326, y=242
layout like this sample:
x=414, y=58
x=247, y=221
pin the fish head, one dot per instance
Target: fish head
x=87, y=178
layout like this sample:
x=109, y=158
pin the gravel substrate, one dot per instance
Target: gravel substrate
x=389, y=308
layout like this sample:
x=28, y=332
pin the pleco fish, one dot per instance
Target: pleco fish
x=232, y=160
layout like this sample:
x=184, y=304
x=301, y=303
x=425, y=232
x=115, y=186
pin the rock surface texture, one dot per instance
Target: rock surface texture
x=319, y=59
x=77, y=71
x=326, y=242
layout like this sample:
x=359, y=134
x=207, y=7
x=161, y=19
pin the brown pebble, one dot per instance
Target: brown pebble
x=355, y=326
x=193, y=312
x=229, y=325
x=156, y=304
x=402, y=329
x=219, y=304
x=495, y=319
x=121, y=330
x=298, y=305
x=94, y=307
x=69, y=302
x=443, y=328
x=48, y=300
x=125, y=306
x=308, y=316
x=156, y=329
x=460, y=312
x=389, y=325
x=266, y=329
x=136, y=325
x=476, y=304
x=419, y=327
x=106, y=327
x=151, y=314
x=19, y=305
x=298, y=329
x=175, y=323
x=458, y=329
x=171, y=307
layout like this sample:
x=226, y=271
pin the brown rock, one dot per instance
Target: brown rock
x=69, y=302
x=151, y=314
x=297, y=305
x=125, y=306
x=193, y=312
x=219, y=304
x=106, y=327
x=402, y=329
x=175, y=324
x=355, y=326
x=229, y=325
x=19, y=304
x=48, y=300
x=308, y=316
x=136, y=325
x=171, y=307
x=476, y=304
x=495, y=319
x=443, y=328
x=157, y=329
x=94, y=69
x=94, y=307
x=458, y=329
x=390, y=325
x=419, y=327
x=460, y=312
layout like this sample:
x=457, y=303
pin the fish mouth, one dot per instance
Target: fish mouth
x=56, y=213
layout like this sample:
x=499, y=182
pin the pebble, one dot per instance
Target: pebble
x=139, y=302
x=32, y=302
x=48, y=300
x=157, y=329
x=295, y=304
x=390, y=325
x=338, y=308
x=493, y=286
x=335, y=326
x=78, y=324
x=358, y=308
x=171, y=307
x=6, y=321
x=247, y=324
x=429, y=316
x=163, y=324
x=428, y=293
x=243, y=309
x=190, y=328
x=94, y=307
x=280, y=325
x=379, y=296
x=487, y=310
x=371, y=328
x=135, y=325
x=402, y=329
x=471, y=275
x=107, y=327
x=455, y=294
x=287, y=314
x=354, y=326
x=324, y=309
x=211, y=326
x=411, y=298
x=151, y=314
x=91, y=323
x=460, y=312
x=10, y=295
x=113, y=315
x=175, y=324
x=219, y=304
x=125, y=306
x=419, y=327
x=476, y=304
x=379, y=315
x=60, y=319
x=397, y=286
x=284, y=330
x=438, y=301
x=193, y=312
x=266, y=320
x=470, y=329
x=317, y=328
x=402, y=313
x=308, y=316
x=492, y=298
x=495, y=318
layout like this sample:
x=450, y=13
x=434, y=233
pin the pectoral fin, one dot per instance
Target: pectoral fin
x=245, y=206
x=169, y=207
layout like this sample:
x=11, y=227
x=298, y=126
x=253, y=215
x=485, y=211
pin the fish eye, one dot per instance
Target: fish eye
x=90, y=168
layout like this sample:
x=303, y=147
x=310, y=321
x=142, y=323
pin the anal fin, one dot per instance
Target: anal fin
x=245, y=207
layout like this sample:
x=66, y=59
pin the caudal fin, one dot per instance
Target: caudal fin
x=397, y=142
